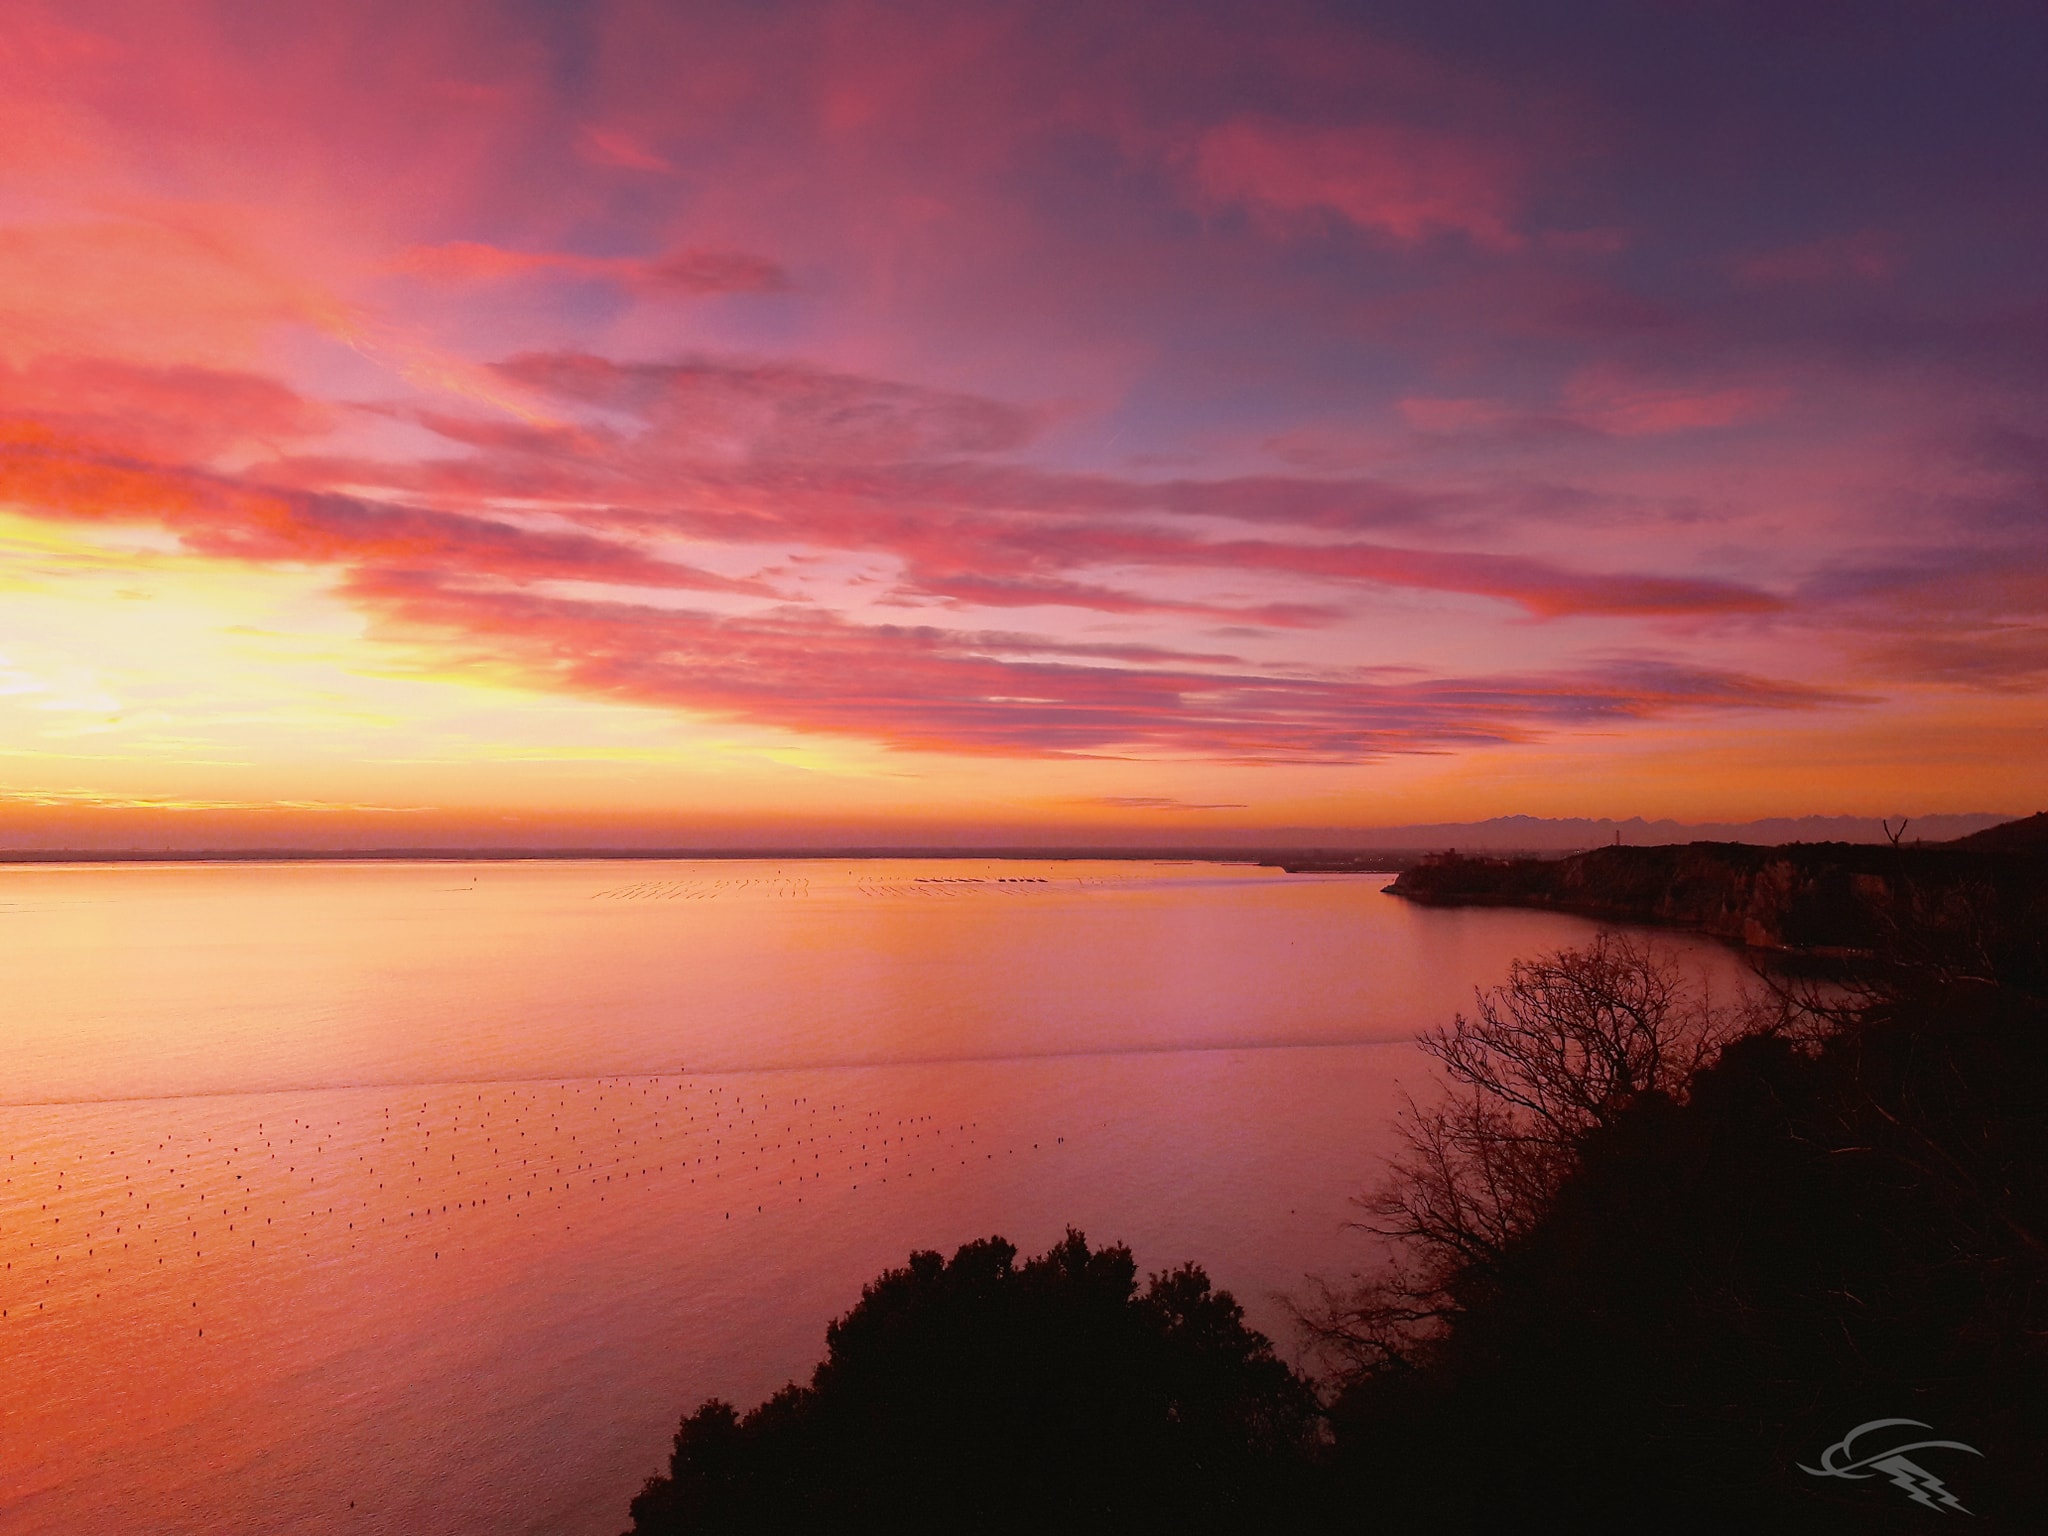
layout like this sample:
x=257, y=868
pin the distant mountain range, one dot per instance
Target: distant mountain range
x=1542, y=832
x=2012, y=835
x=1503, y=834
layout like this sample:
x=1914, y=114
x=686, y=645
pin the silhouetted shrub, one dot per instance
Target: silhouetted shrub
x=980, y=1394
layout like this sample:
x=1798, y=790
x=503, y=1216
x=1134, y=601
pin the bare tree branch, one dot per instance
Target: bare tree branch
x=1546, y=1060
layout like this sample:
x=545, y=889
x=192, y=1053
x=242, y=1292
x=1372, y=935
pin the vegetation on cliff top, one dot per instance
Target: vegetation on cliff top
x=1976, y=910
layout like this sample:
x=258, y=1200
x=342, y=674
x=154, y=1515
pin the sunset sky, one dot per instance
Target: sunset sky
x=678, y=421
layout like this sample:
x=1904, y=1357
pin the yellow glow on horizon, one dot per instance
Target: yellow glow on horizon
x=136, y=677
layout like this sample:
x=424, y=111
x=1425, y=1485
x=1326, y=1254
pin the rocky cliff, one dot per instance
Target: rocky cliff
x=1819, y=898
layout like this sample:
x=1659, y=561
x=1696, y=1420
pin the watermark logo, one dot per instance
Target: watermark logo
x=1886, y=1454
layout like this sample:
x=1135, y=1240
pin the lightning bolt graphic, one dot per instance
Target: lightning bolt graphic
x=1918, y=1482
x=1920, y=1485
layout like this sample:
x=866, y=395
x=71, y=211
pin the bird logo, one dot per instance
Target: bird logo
x=1846, y=1460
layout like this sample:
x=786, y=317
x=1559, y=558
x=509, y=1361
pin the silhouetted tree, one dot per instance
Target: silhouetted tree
x=980, y=1394
x=1645, y=1268
x=1570, y=1042
x=1651, y=1253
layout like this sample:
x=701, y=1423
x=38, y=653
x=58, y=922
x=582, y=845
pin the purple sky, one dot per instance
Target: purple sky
x=1018, y=416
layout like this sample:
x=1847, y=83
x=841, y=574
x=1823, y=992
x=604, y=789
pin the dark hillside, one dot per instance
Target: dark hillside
x=1966, y=908
x=1730, y=1282
x=2029, y=832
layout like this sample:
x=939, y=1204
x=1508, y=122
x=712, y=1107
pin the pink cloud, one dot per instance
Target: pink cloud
x=1388, y=179
x=990, y=207
x=928, y=689
x=993, y=589
x=784, y=454
x=1610, y=401
x=1455, y=414
x=176, y=411
x=1157, y=803
x=714, y=271
x=1623, y=405
x=1954, y=616
x=2007, y=658
x=775, y=409
x=1540, y=588
x=689, y=270
x=220, y=516
x=616, y=147
x=1009, y=542
x=1868, y=256
x=1040, y=530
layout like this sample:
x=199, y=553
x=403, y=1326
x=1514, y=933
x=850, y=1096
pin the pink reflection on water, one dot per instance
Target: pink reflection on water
x=421, y=1273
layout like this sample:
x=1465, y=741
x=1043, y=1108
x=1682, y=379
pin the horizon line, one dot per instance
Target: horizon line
x=1197, y=854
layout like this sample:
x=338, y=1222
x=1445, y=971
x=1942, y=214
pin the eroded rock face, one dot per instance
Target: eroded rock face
x=1815, y=898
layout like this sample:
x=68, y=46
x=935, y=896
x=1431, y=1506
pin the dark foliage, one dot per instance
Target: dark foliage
x=1654, y=1255
x=980, y=1394
x=1732, y=1275
x=1967, y=910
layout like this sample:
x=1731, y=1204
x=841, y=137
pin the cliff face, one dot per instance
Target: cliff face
x=1826, y=898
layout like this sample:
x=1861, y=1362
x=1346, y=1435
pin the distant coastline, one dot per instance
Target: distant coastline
x=1389, y=862
x=1841, y=900
x=1366, y=850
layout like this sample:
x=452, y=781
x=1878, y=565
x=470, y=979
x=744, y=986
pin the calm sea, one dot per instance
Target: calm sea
x=425, y=1198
